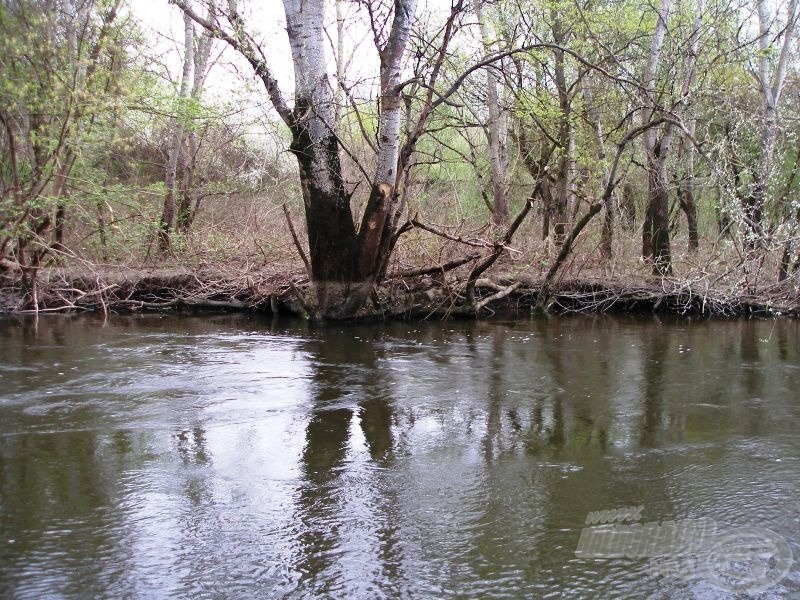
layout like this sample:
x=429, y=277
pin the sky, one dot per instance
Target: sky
x=163, y=24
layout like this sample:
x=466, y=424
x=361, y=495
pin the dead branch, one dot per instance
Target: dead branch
x=448, y=266
x=453, y=238
x=500, y=246
x=296, y=240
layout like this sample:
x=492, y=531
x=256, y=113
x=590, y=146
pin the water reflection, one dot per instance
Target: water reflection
x=232, y=457
x=337, y=499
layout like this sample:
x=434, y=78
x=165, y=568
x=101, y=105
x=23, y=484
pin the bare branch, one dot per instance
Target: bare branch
x=245, y=47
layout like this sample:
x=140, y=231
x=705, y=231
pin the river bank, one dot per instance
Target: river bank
x=429, y=295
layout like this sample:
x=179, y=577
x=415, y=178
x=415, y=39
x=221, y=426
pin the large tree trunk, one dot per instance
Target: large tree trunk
x=658, y=187
x=329, y=220
x=344, y=263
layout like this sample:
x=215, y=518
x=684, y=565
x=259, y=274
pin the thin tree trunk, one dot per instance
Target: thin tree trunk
x=565, y=137
x=688, y=201
x=771, y=88
x=687, y=197
x=655, y=234
x=495, y=129
x=186, y=206
x=167, y=220
x=609, y=209
x=628, y=206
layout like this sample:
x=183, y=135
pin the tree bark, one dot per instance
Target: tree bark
x=565, y=174
x=177, y=138
x=655, y=234
x=771, y=88
x=495, y=128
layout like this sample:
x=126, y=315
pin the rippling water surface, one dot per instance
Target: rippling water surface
x=232, y=457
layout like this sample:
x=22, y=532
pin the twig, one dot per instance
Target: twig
x=453, y=238
x=448, y=266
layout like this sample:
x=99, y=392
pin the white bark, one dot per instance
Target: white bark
x=495, y=126
x=177, y=133
x=339, y=95
x=313, y=99
x=391, y=116
x=651, y=73
x=771, y=87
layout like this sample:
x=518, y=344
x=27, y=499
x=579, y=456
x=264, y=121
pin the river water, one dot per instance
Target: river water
x=238, y=457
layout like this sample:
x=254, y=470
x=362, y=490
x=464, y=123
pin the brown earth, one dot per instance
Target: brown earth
x=433, y=295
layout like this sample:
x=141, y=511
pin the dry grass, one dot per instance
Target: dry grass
x=242, y=246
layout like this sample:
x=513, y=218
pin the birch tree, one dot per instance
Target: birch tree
x=176, y=138
x=345, y=260
x=774, y=39
x=495, y=126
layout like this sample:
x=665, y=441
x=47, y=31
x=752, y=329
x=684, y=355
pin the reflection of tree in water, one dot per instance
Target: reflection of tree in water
x=192, y=450
x=348, y=390
x=496, y=392
x=752, y=377
x=564, y=416
x=656, y=346
x=191, y=444
x=57, y=491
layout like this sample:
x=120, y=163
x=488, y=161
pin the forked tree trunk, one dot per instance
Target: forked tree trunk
x=187, y=205
x=167, y=221
x=345, y=262
x=771, y=88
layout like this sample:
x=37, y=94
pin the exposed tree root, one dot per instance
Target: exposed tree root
x=418, y=297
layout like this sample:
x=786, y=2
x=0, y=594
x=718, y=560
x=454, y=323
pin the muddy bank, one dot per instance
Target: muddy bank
x=124, y=290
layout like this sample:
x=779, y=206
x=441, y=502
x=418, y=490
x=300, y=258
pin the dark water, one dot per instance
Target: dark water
x=231, y=457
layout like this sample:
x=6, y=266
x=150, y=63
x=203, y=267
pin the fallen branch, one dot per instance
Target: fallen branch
x=448, y=266
x=497, y=296
x=500, y=246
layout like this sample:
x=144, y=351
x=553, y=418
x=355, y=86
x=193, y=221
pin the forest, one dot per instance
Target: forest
x=349, y=158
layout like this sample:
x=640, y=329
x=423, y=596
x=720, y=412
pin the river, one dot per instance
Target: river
x=239, y=457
